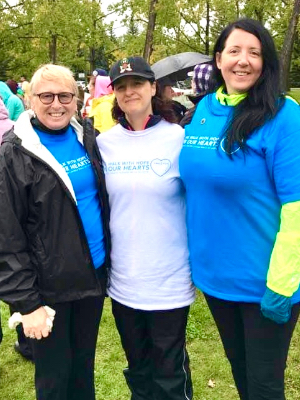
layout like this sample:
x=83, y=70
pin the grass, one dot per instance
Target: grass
x=205, y=350
x=295, y=93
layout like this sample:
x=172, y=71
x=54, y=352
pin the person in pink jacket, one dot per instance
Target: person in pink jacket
x=102, y=104
x=5, y=123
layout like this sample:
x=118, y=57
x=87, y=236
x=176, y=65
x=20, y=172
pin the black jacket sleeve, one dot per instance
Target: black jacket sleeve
x=18, y=279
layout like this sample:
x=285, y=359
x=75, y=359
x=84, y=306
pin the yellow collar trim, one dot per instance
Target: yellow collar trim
x=229, y=99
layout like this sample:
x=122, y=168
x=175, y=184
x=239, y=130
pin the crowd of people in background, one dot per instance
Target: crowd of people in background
x=97, y=107
x=209, y=198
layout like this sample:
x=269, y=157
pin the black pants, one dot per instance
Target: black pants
x=255, y=346
x=64, y=361
x=24, y=343
x=154, y=344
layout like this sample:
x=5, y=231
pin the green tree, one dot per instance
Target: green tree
x=57, y=31
x=75, y=32
x=287, y=48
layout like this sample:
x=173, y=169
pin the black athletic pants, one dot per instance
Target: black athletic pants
x=24, y=343
x=154, y=344
x=255, y=346
x=64, y=361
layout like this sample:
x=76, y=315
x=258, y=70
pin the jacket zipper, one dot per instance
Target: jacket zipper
x=66, y=190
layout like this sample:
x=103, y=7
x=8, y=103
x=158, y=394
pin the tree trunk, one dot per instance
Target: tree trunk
x=148, y=48
x=92, y=59
x=207, y=27
x=237, y=9
x=287, y=48
x=53, y=49
x=53, y=41
x=92, y=55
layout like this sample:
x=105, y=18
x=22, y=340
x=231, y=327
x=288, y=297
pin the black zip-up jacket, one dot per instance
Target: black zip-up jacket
x=44, y=254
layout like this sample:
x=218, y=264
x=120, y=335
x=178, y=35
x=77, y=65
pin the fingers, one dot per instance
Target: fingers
x=45, y=332
x=35, y=324
x=38, y=334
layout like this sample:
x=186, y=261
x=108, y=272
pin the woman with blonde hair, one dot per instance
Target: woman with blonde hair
x=53, y=208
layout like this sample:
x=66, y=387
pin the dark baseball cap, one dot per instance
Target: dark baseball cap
x=100, y=72
x=131, y=66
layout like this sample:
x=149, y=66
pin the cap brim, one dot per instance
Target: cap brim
x=146, y=76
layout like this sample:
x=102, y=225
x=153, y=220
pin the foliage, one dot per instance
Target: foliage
x=60, y=31
x=78, y=34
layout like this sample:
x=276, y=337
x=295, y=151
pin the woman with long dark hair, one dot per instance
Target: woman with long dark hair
x=240, y=164
x=150, y=284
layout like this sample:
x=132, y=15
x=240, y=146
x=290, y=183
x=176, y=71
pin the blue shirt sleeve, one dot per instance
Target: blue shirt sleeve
x=283, y=152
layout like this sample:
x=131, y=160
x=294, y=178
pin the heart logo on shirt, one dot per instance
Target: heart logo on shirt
x=160, y=167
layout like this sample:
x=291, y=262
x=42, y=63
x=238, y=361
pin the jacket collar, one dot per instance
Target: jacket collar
x=31, y=142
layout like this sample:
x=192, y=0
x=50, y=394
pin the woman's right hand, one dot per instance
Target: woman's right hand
x=35, y=324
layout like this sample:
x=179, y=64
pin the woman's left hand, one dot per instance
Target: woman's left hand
x=35, y=324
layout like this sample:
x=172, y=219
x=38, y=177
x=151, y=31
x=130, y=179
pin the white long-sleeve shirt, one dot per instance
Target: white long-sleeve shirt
x=150, y=260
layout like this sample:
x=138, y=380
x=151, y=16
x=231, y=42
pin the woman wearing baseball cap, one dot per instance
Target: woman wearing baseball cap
x=150, y=283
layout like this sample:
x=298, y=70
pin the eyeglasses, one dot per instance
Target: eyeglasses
x=48, y=98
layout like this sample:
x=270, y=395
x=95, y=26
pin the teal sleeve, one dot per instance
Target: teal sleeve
x=15, y=107
x=284, y=270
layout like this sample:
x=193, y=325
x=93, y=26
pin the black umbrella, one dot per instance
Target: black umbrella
x=177, y=66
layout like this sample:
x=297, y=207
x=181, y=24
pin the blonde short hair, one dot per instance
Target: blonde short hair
x=53, y=72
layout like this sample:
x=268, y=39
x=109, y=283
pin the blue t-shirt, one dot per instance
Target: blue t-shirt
x=234, y=205
x=70, y=153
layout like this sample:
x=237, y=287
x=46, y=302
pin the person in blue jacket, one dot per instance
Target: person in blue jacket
x=240, y=164
x=11, y=101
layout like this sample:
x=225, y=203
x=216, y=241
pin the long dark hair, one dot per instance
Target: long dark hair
x=159, y=106
x=264, y=98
